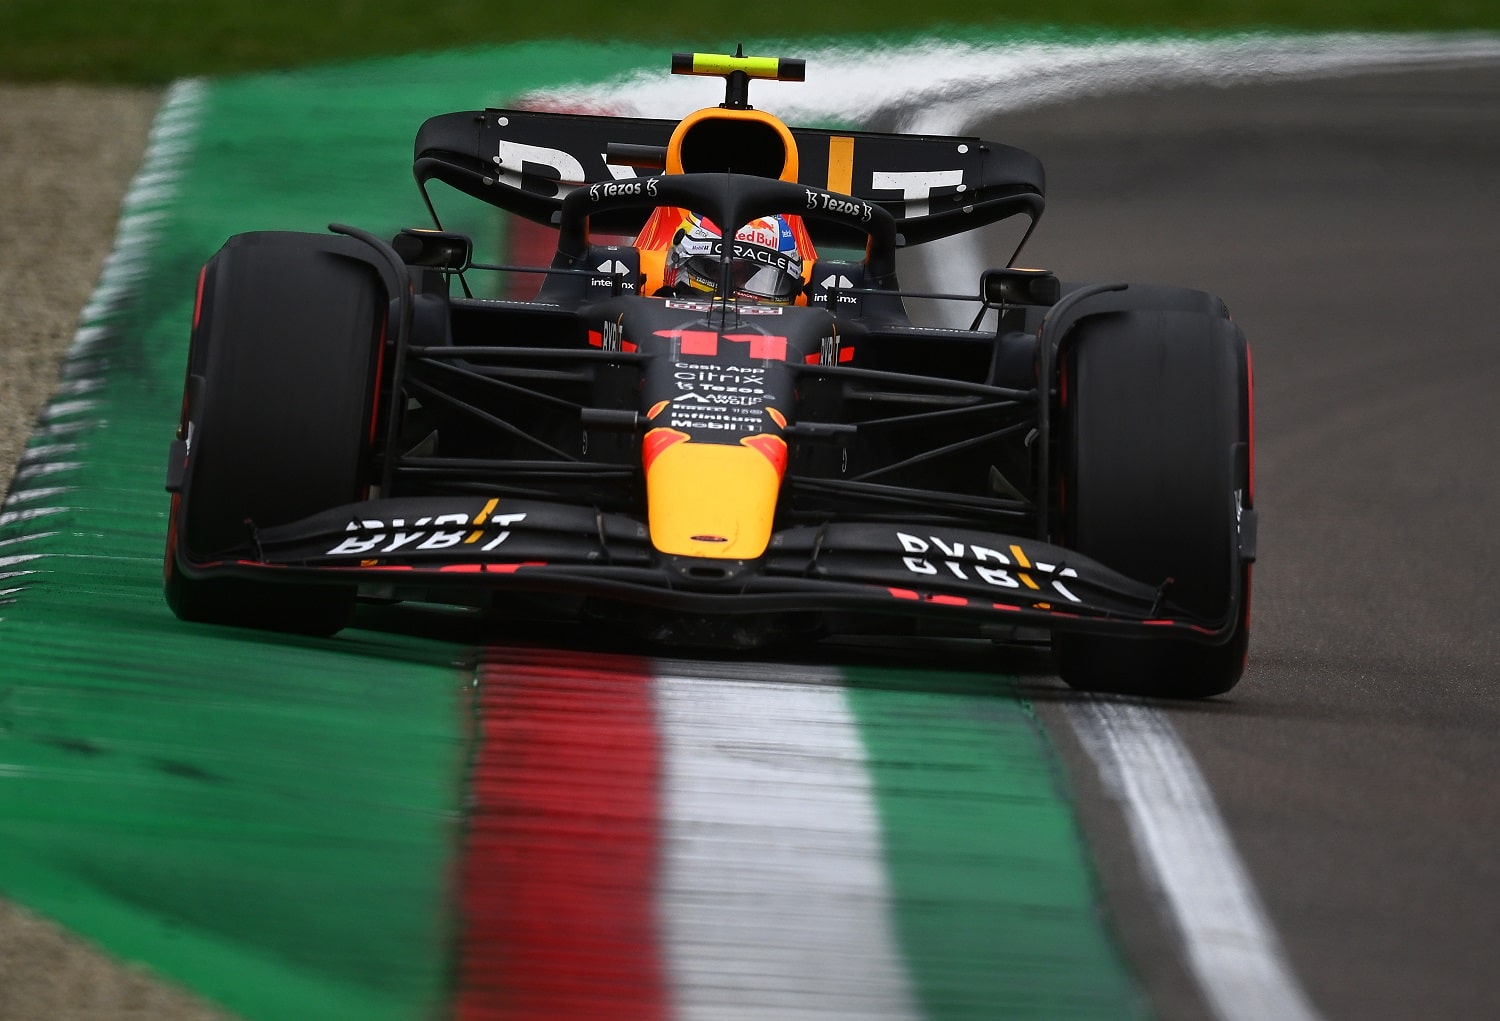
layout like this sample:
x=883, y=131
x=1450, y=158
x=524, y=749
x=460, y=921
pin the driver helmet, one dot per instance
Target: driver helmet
x=764, y=263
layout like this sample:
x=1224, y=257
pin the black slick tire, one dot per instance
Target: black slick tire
x=1155, y=457
x=281, y=385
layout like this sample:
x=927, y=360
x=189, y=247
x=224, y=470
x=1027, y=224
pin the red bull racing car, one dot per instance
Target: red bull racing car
x=713, y=418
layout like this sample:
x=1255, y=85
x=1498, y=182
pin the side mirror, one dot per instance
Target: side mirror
x=1010, y=286
x=436, y=249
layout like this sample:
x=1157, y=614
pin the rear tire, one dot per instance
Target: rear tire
x=1156, y=453
x=280, y=397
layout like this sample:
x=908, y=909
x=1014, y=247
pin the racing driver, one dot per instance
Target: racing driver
x=767, y=263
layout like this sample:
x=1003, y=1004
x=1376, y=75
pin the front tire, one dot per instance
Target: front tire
x=280, y=398
x=1156, y=471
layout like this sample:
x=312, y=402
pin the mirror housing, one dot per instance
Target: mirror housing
x=435, y=249
x=1013, y=286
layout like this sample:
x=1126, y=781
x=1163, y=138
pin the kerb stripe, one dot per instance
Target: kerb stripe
x=774, y=898
x=560, y=860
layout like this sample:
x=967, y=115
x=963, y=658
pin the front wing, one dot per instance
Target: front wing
x=915, y=569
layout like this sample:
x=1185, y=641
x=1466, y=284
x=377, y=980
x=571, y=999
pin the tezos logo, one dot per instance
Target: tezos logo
x=833, y=204
x=616, y=189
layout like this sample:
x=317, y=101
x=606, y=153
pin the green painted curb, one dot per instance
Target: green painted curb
x=992, y=889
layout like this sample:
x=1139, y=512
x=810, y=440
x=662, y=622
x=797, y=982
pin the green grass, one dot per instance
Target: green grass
x=155, y=41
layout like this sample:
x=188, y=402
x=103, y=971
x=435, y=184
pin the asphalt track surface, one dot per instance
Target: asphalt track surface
x=1353, y=226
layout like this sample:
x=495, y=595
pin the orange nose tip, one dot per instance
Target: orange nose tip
x=714, y=500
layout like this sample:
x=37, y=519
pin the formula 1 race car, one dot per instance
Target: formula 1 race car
x=697, y=427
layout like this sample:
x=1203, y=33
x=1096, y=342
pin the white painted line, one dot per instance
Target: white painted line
x=33, y=537
x=942, y=79
x=31, y=514
x=48, y=452
x=77, y=386
x=1188, y=857
x=64, y=409
x=774, y=900
x=41, y=469
x=51, y=430
x=28, y=495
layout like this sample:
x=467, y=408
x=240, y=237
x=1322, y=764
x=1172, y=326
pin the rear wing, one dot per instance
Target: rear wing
x=527, y=162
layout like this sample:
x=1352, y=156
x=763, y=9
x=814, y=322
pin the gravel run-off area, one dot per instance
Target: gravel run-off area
x=67, y=154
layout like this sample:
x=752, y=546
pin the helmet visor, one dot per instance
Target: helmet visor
x=754, y=271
